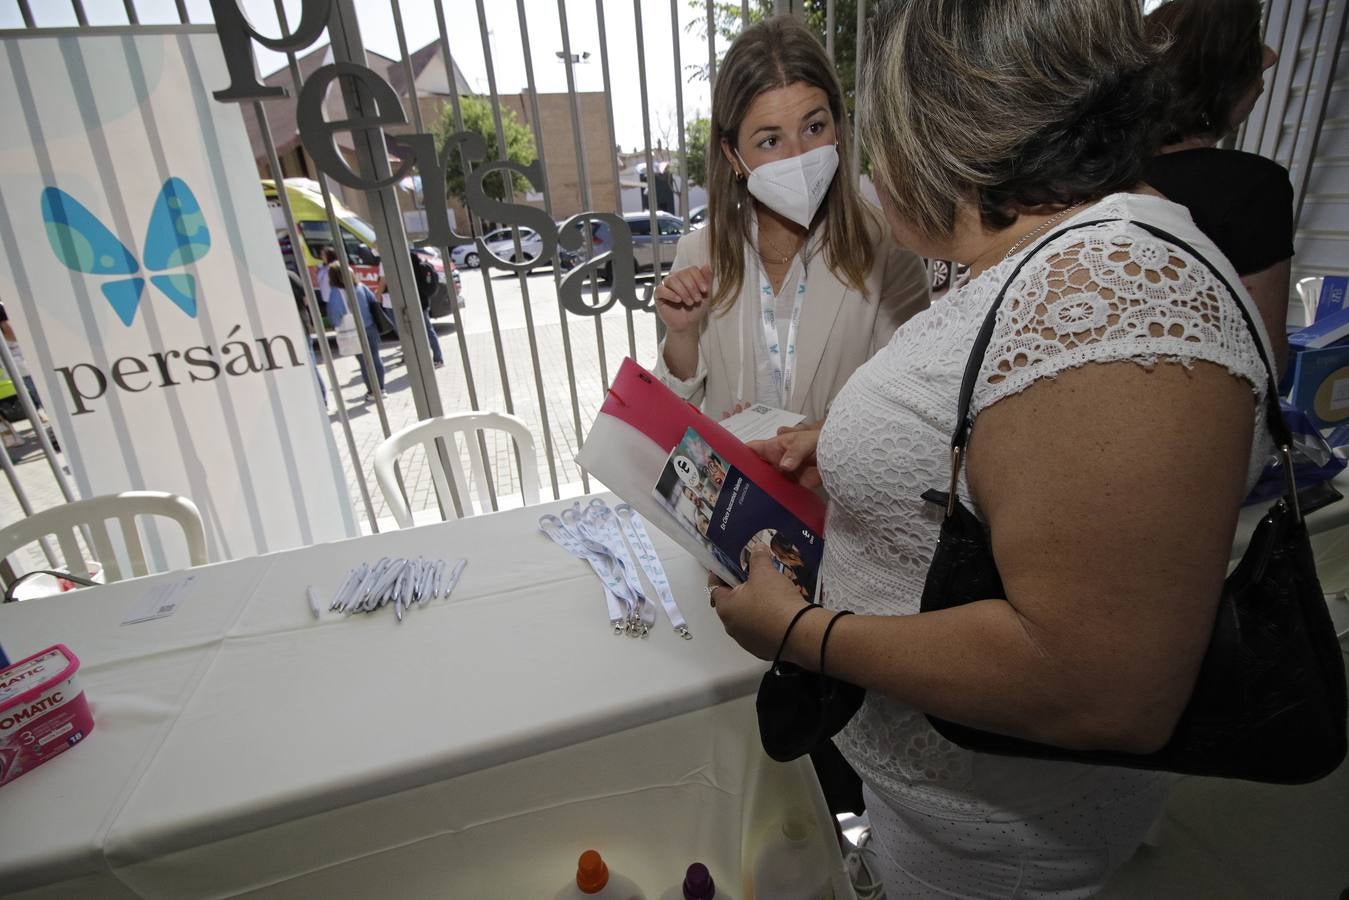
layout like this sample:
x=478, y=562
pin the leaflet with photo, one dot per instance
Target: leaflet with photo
x=729, y=514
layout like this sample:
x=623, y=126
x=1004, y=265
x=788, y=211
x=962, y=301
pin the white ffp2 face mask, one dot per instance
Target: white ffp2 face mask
x=794, y=187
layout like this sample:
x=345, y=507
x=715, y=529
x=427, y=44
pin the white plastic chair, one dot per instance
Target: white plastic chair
x=470, y=425
x=65, y=523
x=1309, y=292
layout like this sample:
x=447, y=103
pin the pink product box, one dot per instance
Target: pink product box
x=43, y=711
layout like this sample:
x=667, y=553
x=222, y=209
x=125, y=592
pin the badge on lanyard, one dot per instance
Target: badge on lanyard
x=781, y=360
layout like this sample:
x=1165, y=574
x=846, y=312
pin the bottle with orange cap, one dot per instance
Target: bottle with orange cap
x=594, y=881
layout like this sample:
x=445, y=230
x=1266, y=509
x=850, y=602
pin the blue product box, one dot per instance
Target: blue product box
x=1324, y=332
x=1338, y=436
x=1332, y=297
x=1321, y=385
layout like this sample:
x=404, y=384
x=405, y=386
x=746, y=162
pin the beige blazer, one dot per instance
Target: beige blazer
x=840, y=329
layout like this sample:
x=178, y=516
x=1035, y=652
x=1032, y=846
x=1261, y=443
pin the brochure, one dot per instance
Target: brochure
x=725, y=511
x=760, y=422
x=638, y=428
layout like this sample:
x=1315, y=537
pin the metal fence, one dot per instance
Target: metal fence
x=551, y=337
x=1302, y=122
x=550, y=374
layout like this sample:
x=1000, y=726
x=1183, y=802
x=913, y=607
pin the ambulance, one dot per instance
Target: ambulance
x=311, y=219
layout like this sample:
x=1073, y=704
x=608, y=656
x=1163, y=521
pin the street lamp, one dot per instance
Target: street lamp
x=570, y=60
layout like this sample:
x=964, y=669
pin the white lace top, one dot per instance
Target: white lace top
x=887, y=440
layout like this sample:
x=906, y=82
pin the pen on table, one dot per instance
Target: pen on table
x=313, y=595
x=454, y=575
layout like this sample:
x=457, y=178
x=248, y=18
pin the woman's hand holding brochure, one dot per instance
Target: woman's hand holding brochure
x=756, y=613
x=792, y=452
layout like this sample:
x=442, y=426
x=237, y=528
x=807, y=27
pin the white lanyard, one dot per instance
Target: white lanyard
x=781, y=361
x=613, y=586
x=635, y=531
x=598, y=523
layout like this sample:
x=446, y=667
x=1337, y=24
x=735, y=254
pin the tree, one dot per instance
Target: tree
x=697, y=133
x=477, y=115
x=728, y=22
x=845, y=41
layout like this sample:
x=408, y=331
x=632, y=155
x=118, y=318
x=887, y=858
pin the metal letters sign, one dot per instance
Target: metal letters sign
x=367, y=87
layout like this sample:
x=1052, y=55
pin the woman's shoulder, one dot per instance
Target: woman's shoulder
x=692, y=247
x=1129, y=279
x=878, y=232
x=1214, y=166
x=1223, y=188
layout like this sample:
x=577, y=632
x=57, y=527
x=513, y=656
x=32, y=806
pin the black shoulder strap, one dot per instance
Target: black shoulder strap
x=1273, y=415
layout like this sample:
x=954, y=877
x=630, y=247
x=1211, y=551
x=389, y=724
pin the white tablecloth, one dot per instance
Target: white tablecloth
x=474, y=749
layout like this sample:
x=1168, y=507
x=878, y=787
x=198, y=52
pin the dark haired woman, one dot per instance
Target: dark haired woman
x=791, y=285
x=1118, y=421
x=1215, y=62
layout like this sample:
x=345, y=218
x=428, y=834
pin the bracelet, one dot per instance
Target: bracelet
x=824, y=641
x=788, y=633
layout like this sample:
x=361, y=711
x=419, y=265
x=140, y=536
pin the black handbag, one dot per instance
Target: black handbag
x=799, y=710
x=1269, y=702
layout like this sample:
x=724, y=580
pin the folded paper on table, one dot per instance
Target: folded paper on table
x=638, y=426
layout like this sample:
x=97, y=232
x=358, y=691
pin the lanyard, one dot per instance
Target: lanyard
x=568, y=540
x=597, y=523
x=781, y=363
x=592, y=526
x=635, y=531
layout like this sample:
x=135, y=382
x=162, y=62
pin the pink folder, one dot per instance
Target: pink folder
x=640, y=399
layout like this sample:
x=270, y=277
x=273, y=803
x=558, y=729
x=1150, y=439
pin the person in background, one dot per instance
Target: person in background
x=340, y=302
x=1118, y=423
x=328, y=256
x=428, y=282
x=12, y=341
x=302, y=307
x=1214, y=64
x=791, y=285
x=24, y=381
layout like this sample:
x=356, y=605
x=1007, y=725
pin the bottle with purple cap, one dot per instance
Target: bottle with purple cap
x=697, y=885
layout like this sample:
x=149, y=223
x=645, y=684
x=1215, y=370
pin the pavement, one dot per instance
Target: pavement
x=509, y=381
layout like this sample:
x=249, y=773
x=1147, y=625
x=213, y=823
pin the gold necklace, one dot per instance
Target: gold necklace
x=1044, y=226
x=786, y=257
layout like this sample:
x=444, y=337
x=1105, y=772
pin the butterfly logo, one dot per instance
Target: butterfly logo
x=176, y=236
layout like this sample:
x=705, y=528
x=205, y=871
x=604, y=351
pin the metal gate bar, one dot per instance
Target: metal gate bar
x=679, y=123
x=1324, y=65
x=537, y=123
x=618, y=182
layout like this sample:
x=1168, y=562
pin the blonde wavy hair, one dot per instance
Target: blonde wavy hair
x=771, y=54
x=1008, y=104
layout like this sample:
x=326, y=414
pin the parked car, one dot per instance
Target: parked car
x=698, y=217
x=501, y=242
x=670, y=229
x=465, y=255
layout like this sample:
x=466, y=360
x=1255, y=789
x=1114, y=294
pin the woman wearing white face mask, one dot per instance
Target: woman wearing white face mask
x=791, y=285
